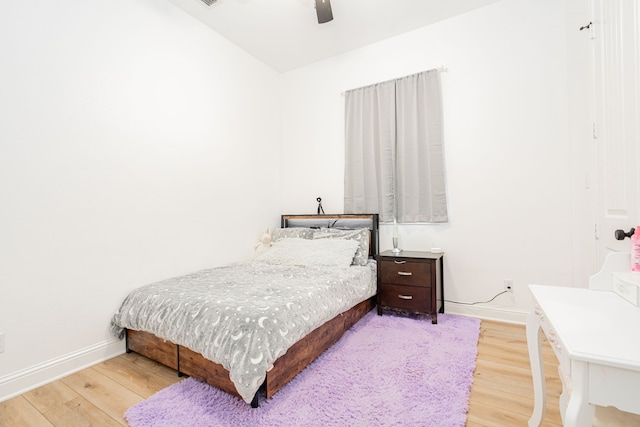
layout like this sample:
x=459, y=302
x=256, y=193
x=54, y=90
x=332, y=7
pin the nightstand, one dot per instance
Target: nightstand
x=411, y=282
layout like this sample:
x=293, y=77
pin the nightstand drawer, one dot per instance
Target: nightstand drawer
x=416, y=299
x=405, y=272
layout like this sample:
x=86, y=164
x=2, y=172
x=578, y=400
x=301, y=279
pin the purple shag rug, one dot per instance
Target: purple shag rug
x=385, y=371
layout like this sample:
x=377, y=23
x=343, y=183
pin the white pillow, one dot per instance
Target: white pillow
x=305, y=252
x=360, y=235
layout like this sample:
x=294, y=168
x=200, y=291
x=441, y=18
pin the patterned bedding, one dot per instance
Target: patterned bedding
x=244, y=316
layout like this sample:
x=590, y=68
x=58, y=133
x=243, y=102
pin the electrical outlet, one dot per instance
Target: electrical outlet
x=508, y=285
x=1, y=342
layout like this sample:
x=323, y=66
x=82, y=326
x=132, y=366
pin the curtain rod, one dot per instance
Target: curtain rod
x=441, y=68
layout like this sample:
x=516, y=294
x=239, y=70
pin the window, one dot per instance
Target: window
x=394, y=162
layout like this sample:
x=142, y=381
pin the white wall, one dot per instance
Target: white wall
x=135, y=145
x=506, y=145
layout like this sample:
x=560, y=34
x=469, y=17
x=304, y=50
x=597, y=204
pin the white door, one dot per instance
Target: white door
x=617, y=121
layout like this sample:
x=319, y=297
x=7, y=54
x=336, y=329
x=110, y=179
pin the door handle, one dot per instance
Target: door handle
x=620, y=234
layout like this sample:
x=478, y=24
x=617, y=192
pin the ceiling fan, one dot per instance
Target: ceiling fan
x=323, y=9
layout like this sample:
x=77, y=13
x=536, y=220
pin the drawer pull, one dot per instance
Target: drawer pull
x=399, y=262
x=405, y=273
x=405, y=296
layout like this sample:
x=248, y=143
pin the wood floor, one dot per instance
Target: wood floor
x=502, y=392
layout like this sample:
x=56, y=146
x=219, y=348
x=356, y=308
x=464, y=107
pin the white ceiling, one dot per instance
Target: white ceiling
x=285, y=34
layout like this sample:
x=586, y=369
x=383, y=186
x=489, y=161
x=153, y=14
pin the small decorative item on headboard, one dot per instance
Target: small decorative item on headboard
x=319, y=200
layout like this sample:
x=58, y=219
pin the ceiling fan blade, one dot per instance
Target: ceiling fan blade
x=323, y=9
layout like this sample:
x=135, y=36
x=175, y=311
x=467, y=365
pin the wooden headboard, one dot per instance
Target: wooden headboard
x=341, y=221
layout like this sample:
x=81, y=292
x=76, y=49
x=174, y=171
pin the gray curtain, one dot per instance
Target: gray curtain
x=370, y=150
x=394, y=162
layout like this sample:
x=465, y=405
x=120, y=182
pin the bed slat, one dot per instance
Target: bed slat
x=196, y=366
x=153, y=347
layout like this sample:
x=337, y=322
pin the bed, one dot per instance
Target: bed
x=250, y=327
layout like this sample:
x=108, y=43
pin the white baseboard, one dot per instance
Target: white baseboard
x=488, y=313
x=35, y=376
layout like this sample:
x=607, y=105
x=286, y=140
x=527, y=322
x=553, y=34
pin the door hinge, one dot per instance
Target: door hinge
x=596, y=231
x=594, y=133
x=589, y=27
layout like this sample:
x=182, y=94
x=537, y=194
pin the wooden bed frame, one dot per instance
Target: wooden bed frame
x=297, y=357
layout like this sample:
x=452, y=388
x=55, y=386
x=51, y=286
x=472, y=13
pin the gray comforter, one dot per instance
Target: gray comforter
x=246, y=315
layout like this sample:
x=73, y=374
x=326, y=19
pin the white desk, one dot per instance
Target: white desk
x=596, y=336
